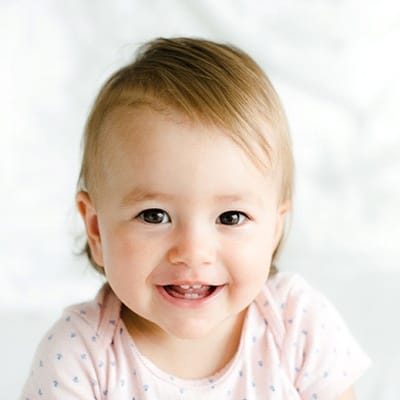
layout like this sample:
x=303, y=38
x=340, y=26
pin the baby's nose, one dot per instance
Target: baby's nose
x=193, y=248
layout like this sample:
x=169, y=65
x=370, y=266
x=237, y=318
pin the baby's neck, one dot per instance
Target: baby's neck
x=186, y=358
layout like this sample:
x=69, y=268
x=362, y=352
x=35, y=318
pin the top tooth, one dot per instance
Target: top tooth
x=185, y=287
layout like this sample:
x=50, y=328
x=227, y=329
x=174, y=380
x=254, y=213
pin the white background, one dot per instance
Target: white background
x=336, y=66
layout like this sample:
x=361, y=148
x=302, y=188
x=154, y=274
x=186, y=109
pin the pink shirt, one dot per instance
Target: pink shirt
x=294, y=345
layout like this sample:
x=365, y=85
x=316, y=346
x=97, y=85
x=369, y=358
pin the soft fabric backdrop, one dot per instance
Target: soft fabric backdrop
x=335, y=65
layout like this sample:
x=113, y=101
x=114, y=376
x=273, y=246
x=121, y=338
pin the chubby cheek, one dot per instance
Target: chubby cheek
x=127, y=260
x=250, y=264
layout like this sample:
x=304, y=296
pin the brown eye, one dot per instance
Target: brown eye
x=154, y=216
x=231, y=218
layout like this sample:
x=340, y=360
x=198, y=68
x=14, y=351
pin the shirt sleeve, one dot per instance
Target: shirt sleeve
x=63, y=366
x=319, y=352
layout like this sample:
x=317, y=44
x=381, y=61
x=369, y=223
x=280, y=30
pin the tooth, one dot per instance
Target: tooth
x=197, y=286
x=192, y=295
x=185, y=287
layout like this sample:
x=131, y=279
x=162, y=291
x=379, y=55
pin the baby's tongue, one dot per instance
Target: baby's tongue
x=188, y=292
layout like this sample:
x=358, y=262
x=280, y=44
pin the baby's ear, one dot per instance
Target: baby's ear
x=281, y=213
x=90, y=219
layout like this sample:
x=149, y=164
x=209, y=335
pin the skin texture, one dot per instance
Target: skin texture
x=216, y=221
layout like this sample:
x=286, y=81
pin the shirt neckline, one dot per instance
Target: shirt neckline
x=200, y=383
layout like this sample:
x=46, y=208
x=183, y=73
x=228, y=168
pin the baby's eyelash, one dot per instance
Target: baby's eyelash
x=158, y=216
x=154, y=216
x=232, y=217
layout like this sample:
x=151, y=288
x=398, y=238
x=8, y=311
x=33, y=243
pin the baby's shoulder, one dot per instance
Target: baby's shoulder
x=281, y=282
x=285, y=288
x=317, y=351
x=298, y=305
x=99, y=316
x=74, y=348
x=84, y=326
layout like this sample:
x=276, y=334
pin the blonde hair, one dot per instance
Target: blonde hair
x=209, y=82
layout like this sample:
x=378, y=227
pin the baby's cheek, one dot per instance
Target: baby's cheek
x=249, y=265
x=118, y=249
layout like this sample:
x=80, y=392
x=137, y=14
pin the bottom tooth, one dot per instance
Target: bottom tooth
x=192, y=295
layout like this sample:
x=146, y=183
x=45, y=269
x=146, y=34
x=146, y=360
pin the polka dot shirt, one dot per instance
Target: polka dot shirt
x=294, y=345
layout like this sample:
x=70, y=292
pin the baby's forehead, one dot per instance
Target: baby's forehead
x=134, y=121
x=122, y=117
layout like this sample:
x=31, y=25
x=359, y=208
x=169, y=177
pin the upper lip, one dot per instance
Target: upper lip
x=191, y=283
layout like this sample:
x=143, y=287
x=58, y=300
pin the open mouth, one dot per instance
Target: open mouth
x=190, y=292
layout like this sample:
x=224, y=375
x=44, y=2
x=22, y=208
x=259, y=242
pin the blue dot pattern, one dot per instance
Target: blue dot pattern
x=294, y=345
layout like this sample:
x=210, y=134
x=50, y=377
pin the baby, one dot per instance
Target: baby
x=185, y=186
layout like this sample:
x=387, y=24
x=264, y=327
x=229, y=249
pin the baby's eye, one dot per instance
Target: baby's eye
x=231, y=218
x=154, y=216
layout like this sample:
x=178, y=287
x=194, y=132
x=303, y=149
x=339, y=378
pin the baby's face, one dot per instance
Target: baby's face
x=185, y=223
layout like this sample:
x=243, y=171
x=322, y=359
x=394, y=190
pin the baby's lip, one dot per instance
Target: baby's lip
x=195, y=284
x=190, y=293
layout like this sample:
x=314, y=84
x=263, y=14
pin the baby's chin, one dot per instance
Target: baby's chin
x=186, y=328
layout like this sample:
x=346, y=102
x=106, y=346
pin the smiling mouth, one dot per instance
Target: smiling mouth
x=190, y=292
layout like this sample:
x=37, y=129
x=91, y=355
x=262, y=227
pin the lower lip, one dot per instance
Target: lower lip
x=189, y=303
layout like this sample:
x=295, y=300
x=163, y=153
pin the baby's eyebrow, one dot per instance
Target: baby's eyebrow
x=137, y=194
x=231, y=198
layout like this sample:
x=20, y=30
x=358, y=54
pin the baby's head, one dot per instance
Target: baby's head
x=208, y=83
